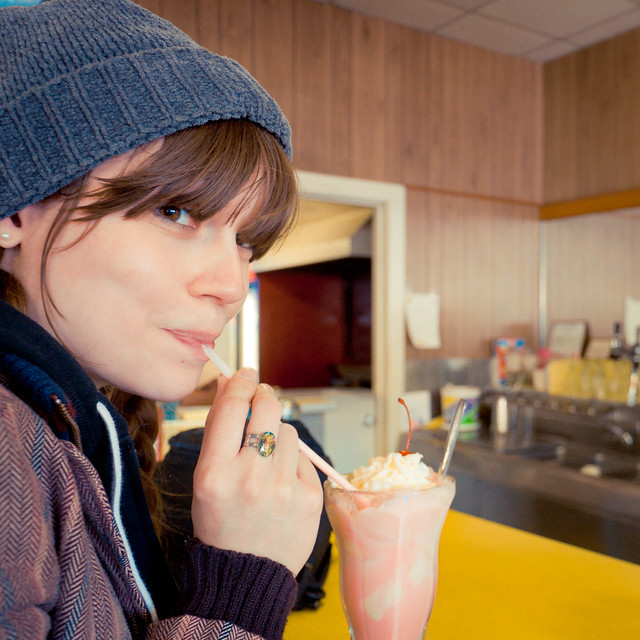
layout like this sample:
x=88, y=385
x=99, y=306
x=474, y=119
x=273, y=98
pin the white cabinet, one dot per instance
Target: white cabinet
x=341, y=420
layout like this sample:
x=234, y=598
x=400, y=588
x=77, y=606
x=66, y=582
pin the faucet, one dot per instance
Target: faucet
x=617, y=434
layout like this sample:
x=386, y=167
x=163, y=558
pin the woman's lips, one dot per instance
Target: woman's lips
x=194, y=340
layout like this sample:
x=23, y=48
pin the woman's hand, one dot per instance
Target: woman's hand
x=245, y=502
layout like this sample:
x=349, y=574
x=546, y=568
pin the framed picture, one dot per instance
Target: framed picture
x=568, y=338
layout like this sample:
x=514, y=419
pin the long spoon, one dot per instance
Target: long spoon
x=452, y=437
x=319, y=462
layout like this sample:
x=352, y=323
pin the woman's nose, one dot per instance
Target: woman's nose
x=224, y=274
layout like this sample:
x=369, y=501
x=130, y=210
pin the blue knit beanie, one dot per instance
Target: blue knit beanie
x=82, y=81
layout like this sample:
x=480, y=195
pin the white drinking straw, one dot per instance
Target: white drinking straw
x=319, y=462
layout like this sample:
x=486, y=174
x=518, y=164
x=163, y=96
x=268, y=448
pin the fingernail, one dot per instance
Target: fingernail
x=265, y=387
x=248, y=373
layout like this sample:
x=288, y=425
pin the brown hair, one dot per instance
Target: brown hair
x=201, y=169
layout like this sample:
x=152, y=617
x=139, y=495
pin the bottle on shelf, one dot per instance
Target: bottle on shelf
x=617, y=345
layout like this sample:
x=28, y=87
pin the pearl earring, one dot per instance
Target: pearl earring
x=4, y=235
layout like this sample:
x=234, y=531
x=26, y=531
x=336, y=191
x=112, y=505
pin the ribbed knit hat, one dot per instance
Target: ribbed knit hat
x=82, y=81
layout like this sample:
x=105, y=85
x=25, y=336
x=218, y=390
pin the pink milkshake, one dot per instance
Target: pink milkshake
x=387, y=534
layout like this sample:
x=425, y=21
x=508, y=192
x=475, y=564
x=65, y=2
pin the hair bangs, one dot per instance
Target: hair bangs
x=200, y=168
x=203, y=169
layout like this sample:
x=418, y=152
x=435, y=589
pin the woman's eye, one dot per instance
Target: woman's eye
x=244, y=244
x=176, y=215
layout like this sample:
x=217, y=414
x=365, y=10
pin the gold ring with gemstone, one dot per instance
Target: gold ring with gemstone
x=264, y=443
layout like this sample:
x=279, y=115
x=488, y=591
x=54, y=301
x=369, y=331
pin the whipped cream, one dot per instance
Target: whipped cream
x=394, y=472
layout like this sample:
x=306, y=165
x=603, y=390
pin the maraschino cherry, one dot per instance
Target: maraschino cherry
x=405, y=451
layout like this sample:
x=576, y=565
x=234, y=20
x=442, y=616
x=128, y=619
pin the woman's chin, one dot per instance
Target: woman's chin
x=174, y=394
x=169, y=391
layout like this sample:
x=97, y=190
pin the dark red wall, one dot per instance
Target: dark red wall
x=313, y=319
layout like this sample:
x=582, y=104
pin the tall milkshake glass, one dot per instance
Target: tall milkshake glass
x=388, y=557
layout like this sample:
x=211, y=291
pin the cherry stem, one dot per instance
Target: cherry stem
x=405, y=451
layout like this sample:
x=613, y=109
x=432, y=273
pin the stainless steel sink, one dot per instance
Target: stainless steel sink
x=539, y=451
x=569, y=474
x=596, y=463
x=587, y=460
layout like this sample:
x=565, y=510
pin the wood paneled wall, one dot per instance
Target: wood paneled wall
x=459, y=125
x=592, y=265
x=483, y=259
x=591, y=124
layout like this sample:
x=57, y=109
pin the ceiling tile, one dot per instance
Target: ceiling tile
x=555, y=49
x=608, y=29
x=526, y=28
x=419, y=14
x=556, y=17
x=493, y=35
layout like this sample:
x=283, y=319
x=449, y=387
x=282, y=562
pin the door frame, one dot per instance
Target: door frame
x=388, y=281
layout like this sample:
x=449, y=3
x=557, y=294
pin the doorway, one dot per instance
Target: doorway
x=388, y=276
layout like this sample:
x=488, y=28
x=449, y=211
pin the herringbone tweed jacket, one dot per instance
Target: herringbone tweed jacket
x=67, y=572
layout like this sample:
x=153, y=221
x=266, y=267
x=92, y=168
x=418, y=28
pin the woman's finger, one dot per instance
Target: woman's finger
x=225, y=423
x=266, y=411
x=286, y=453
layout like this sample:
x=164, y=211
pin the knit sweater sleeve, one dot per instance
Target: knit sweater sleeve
x=256, y=594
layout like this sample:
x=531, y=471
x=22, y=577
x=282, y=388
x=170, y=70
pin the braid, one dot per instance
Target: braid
x=141, y=415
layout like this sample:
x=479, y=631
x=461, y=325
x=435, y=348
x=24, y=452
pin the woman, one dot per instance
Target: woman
x=140, y=176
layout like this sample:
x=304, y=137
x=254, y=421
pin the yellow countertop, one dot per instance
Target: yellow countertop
x=499, y=583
